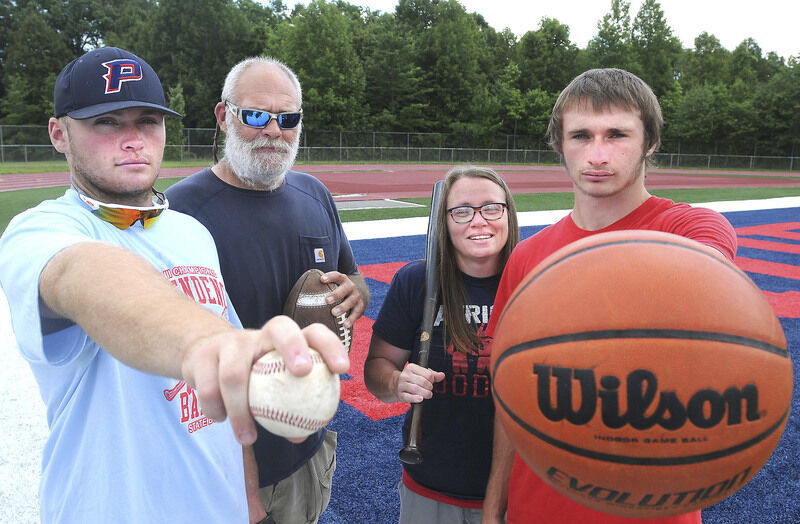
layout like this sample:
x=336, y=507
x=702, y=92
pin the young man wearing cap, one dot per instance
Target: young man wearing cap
x=271, y=224
x=103, y=285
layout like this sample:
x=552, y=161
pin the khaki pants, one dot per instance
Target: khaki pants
x=301, y=498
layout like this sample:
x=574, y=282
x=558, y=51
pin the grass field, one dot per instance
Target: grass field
x=14, y=202
x=9, y=168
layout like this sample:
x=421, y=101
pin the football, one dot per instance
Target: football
x=306, y=305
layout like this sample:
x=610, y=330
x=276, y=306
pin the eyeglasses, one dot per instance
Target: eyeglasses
x=259, y=118
x=124, y=217
x=464, y=214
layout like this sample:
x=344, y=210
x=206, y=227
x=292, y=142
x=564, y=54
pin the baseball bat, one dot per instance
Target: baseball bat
x=411, y=454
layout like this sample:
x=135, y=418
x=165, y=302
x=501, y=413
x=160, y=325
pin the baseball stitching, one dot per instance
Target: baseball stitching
x=279, y=366
x=287, y=418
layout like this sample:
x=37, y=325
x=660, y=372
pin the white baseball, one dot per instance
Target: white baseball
x=291, y=406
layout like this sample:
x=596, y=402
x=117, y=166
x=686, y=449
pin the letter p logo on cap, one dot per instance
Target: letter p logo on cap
x=119, y=71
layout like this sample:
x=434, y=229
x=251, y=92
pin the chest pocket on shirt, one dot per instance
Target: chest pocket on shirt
x=317, y=252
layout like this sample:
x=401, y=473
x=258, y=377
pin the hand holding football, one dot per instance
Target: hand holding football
x=306, y=304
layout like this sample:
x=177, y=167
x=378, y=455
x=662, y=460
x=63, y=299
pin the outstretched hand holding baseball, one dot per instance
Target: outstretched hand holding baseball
x=218, y=367
x=193, y=344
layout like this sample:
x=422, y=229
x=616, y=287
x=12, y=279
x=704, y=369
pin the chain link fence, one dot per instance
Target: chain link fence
x=32, y=144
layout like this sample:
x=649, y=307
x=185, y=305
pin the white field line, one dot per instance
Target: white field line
x=400, y=227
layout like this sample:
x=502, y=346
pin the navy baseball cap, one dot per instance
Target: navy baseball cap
x=104, y=80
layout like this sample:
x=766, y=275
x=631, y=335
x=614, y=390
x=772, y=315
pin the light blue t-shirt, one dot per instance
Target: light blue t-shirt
x=124, y=445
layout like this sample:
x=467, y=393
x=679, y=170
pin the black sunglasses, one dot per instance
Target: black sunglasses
x=259, y=118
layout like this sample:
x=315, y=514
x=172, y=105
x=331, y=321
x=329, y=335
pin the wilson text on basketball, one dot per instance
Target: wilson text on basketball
x=704, y=408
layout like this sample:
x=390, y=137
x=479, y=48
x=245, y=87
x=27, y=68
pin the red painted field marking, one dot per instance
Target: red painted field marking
x=381, y=272
x=774, y=269
x=787, y=303
x=354, y=392
x=779, y=230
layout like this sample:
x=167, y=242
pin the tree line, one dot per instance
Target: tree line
x=429, y=66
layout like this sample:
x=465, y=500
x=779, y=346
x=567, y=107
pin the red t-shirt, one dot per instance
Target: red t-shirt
x=531, y=500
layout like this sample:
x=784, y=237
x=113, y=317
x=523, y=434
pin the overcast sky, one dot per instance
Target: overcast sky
x=771, y=23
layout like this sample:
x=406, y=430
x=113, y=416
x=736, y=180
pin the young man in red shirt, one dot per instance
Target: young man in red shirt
x=606, y=124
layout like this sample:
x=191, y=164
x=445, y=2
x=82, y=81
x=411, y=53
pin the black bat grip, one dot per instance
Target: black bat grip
x=411, y=454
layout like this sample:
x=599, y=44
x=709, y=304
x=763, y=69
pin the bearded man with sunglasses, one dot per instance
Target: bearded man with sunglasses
x=103, y=286
x=272, y=224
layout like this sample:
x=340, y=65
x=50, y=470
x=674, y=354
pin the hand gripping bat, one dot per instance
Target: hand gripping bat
x=411, y=454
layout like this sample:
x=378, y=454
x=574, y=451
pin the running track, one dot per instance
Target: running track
x=378, y=181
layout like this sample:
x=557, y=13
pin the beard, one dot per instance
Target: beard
x=259, y=170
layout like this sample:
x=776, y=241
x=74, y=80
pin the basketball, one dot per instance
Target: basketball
x=641, y=374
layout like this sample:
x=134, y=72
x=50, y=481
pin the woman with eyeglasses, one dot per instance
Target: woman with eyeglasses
x=477, y=232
